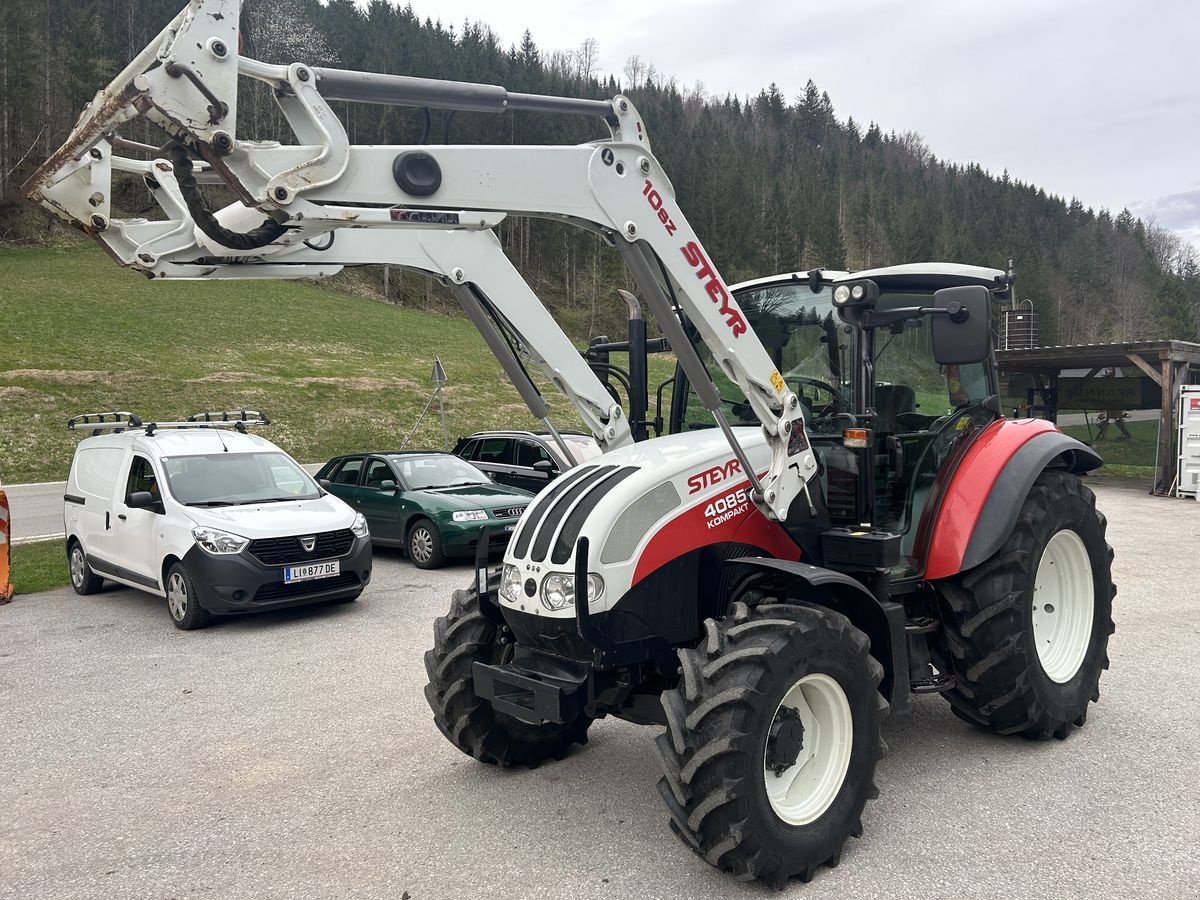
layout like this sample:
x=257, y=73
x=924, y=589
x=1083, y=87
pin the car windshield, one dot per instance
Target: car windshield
x=235, y=479
x=443, y=470
x=583, y=447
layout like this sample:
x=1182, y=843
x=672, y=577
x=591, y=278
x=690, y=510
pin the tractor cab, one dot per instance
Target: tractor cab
x=893, y=389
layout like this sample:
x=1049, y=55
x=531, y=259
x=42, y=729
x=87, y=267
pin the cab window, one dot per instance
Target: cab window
x=142, y=478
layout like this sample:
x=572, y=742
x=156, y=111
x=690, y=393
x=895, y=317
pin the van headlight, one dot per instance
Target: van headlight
x=558, y=589
x=469, y=515
x=359, y=528
x=218, y=542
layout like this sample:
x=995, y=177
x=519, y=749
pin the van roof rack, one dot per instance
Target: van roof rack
x=248, y=416
x=116, y=422
x=104, y=421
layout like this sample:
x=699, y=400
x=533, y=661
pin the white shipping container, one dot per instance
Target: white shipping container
x=1189, y=441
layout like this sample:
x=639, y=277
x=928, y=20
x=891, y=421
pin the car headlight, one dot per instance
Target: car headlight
x=359, y=528
x=558, y=589
x=218, y=542
x=469, y=515
x=510, y=584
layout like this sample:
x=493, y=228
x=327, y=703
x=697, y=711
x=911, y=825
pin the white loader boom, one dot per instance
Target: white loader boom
x=329, y=203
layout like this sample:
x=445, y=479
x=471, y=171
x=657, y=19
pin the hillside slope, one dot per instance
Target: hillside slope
x=335, y=372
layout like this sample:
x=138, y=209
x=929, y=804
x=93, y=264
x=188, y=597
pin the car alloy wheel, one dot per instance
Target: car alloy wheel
x=420, y=544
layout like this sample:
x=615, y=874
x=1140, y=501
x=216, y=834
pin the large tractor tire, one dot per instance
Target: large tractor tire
x=772, y=739
x=460, y=638
x=1028, y=629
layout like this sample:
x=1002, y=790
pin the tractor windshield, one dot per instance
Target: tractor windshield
x=815, y=352
x=809, y=346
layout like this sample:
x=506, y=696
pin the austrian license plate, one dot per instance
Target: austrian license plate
x=311, y=571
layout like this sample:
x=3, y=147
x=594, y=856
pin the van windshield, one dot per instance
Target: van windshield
x=236, y=479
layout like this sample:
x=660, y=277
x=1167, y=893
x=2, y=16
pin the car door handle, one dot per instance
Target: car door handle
x=121, y=516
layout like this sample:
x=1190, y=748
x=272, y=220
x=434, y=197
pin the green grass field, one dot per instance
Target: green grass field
x=1122, y=456
x=336, y=372
x=39, y=566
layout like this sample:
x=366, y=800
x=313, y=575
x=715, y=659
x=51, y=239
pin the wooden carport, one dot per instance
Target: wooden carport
x=1167, y=363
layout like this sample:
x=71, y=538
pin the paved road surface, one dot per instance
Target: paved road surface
x=37, y=509
x=293, y=756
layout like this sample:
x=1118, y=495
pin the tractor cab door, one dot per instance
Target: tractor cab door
x=926, y=416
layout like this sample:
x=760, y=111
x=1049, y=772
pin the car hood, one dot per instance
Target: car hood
x=472, y=496
x=265, y=520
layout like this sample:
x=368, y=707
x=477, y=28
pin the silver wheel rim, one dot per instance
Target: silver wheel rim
x=420, y=545
x=177, y=598
x=1064, y=598
x=77, y=566
x=803, y=793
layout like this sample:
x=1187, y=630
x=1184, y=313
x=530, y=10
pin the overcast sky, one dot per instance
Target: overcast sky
x=1099, y=99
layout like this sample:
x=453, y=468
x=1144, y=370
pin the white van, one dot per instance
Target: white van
x=208, y=516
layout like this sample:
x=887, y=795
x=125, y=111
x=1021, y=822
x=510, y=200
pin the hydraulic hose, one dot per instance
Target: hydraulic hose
x=264, y=234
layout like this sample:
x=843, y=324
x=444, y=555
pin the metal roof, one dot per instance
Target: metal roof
x=1074, y=356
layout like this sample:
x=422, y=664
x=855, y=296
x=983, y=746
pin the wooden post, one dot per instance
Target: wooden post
x=387, y=293
x=1166, y=433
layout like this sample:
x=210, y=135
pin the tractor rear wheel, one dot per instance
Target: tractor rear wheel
x=772, y=739
x=1028, y=629
x=470, y=723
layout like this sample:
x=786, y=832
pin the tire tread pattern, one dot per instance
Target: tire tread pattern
x=995, y=667
x=708, y=751
x=462, y=637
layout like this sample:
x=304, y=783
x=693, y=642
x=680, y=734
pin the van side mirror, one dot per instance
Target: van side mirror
x=963, y=333
x=140, y=500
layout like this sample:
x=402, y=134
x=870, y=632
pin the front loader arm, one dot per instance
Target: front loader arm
x=325, y=186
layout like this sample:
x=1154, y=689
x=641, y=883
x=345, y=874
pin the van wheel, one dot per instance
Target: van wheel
x=83, y=579
x=182, y=603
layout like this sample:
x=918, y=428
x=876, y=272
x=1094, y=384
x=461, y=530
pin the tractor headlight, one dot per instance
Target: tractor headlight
x=558, y=589
x=841, y=294
x=469, y=515
x=219, y=542
x=359, y=528
x=510, y=584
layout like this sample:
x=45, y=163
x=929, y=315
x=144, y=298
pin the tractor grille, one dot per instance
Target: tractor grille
x=283, y=551
x=510, y=513
x=587, y=486
x=269, y=593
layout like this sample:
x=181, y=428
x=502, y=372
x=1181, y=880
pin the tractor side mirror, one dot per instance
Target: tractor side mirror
x=963, y=333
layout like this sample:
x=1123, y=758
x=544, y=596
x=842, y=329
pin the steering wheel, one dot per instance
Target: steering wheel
x=835, y=395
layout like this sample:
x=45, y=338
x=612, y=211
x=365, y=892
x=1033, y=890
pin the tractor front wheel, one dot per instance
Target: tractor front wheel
x=469, y=722
x=1028, y=629
x=772, y=739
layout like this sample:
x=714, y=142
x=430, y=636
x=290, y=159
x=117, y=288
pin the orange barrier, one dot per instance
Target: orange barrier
x=6, y=588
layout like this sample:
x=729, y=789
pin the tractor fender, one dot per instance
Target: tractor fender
x=981, y=503
x=881, y=621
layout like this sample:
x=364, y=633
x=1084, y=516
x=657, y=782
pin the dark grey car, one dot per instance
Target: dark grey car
x=525, y=459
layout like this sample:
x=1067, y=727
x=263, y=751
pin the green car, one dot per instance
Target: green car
x=432, y=504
